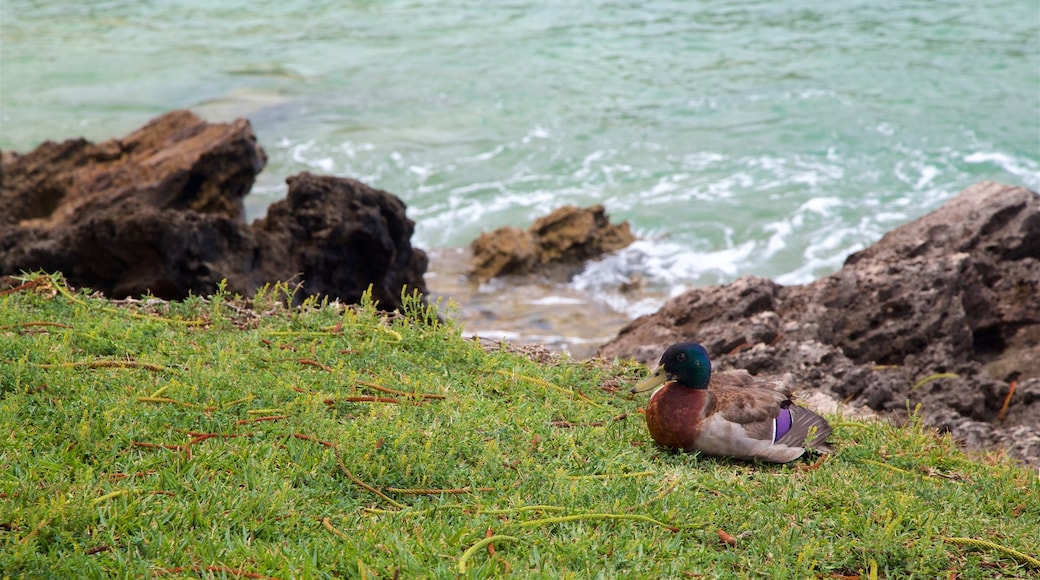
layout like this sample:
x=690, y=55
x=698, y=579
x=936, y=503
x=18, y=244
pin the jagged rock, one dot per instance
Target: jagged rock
x=573, y=234
x=341, y=236
x=504, y=251
x=176, y=161
x=160, y=212
x=567, y=236
x=956, y=292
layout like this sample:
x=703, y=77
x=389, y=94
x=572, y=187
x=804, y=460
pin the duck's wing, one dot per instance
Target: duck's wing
x=744, y=425
x=760, y=421
x=741, y=379
x=756, y=407
x=748, y=405
x=730, y=379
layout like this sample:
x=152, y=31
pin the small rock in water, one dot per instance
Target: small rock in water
x=568, y=236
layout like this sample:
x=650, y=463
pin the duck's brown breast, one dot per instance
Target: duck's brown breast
x=674, y=415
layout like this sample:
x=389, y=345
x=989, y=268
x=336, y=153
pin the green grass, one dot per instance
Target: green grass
x=200, y=439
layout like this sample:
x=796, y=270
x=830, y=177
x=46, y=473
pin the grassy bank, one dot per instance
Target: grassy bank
x=203, y=439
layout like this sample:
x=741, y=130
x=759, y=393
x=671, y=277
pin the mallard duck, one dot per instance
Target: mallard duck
x=728, y=414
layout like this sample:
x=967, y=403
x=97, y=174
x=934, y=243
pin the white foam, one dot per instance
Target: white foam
x=821, y=205
x=536, y=132
x=423, y=171
x=1027, y=169
x=485, y=156
x=555, y=301
x=654, y=271
x=299, y=154
x=778, y=241
x=702, y=160
x=351, y=149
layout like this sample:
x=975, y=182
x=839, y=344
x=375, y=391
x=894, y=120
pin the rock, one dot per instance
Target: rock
x=568, y=236
x=177, y=161
x=943, y=311
x=342, y=236
x=160, y=212
x=572, y=234
x=504, y=251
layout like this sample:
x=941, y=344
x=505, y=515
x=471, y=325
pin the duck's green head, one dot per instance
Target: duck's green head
x=685, y=363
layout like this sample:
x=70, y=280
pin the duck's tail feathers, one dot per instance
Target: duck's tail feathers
x=807, y=430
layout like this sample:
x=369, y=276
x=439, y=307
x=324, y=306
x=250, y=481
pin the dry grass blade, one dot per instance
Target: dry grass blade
x=1020, y=556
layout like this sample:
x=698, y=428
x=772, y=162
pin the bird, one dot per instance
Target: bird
x=728, y=414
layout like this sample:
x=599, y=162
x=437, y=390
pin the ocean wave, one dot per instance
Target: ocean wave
x=705, y=217
x=1026, y=169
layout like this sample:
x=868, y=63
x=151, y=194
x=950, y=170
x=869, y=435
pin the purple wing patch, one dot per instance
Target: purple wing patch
x=783, y=424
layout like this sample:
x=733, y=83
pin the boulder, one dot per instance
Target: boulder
x=160, y=212
x=505, y=251
x=176, y=161
x=566, y=237
x=342, y=236
x=943, y=312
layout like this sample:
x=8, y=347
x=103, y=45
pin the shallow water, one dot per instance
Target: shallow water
x=766, y=138
x=563, y=317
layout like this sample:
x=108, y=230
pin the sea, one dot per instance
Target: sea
x=767, y=138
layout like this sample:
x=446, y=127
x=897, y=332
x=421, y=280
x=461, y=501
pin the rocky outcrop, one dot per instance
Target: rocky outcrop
x=943, y=311
x=341, y=236
x=566, y=237
x=160, y=211
x=177, y=161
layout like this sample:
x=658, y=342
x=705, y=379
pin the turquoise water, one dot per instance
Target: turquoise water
x=768, y=138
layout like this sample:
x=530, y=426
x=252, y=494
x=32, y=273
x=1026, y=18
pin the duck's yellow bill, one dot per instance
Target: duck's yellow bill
x=655, y=380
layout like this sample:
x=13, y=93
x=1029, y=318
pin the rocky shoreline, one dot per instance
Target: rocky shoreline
x=160, y=211
x=942, y=313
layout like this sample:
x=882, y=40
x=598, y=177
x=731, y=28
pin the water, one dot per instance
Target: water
x=767, y=138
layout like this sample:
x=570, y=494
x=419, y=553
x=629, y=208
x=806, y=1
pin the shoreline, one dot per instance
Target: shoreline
x=522, y=310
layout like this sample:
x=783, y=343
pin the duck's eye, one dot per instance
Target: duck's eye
x=681, y=357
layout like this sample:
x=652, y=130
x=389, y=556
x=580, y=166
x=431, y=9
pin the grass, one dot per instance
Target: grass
x=204, y=439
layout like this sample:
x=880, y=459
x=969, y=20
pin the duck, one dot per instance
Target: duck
x=727, y=414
